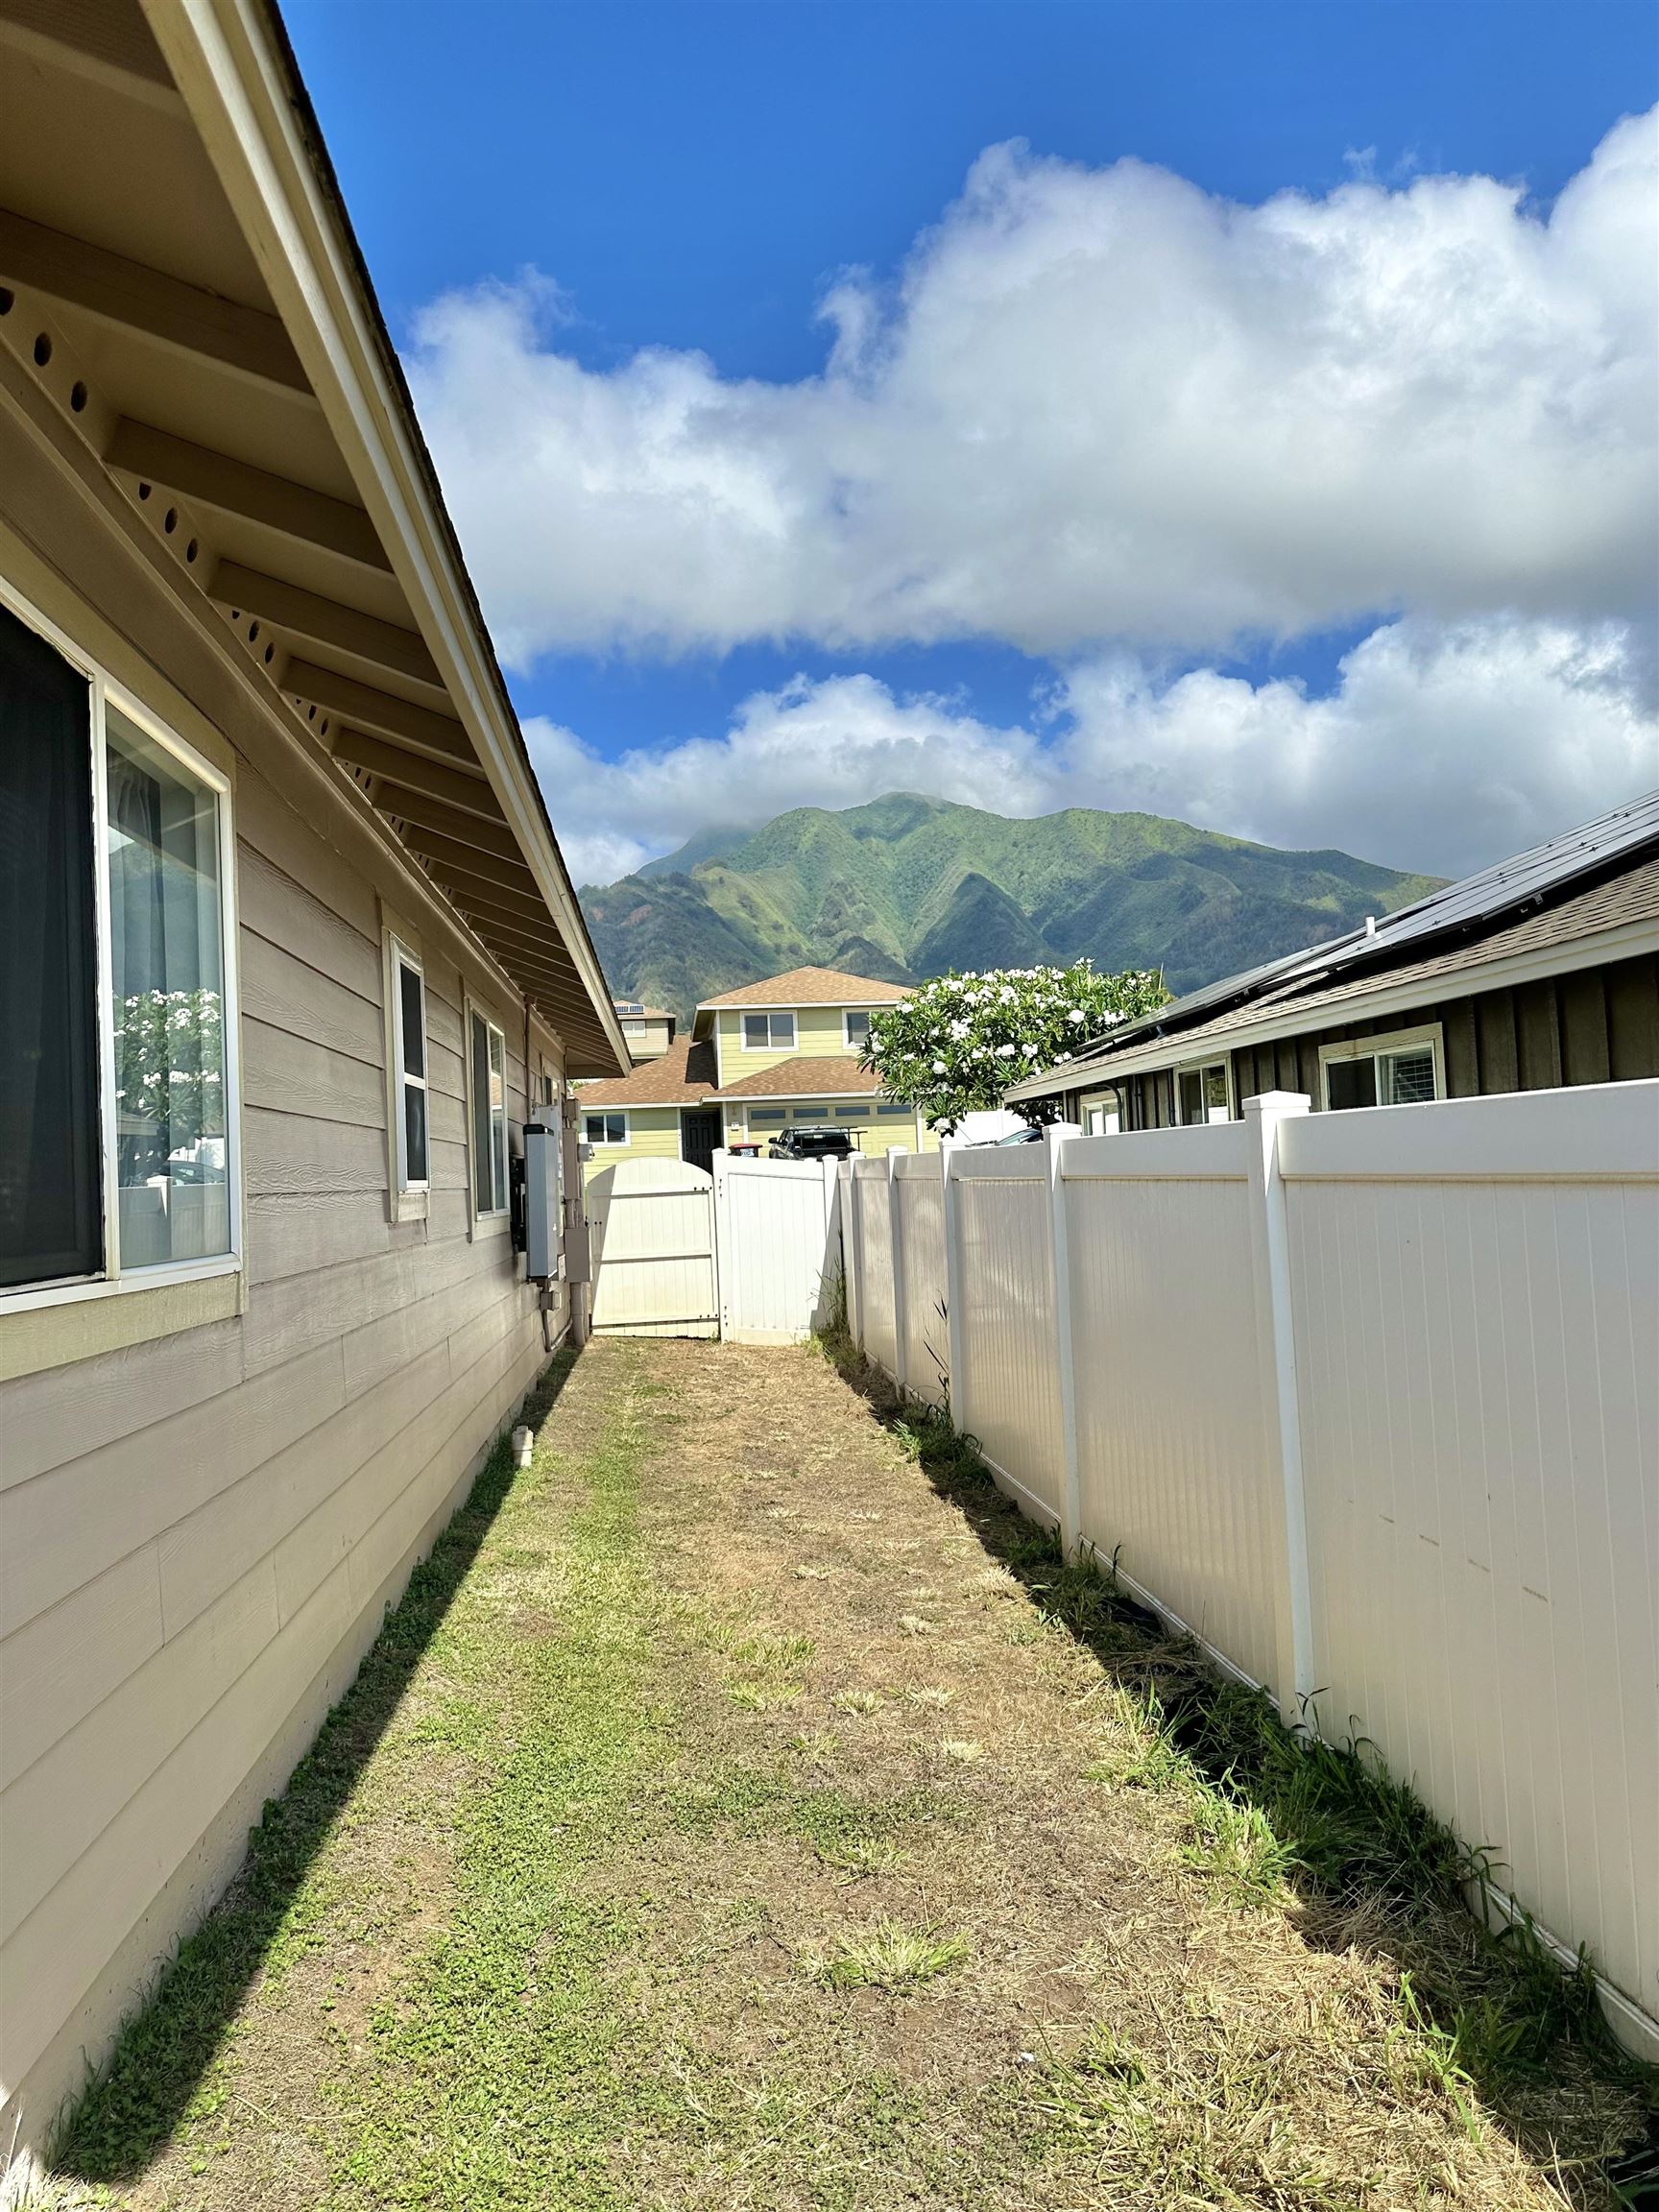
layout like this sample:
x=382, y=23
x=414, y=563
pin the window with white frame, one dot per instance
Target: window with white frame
x=608, y=1128
x=1400, y=1070
x=768, y=1032
x=489, y=1087
x=117, y=1078
x=409, y=1064
x=856, y=1028
x=1201, y=1094
x=1103, y=1115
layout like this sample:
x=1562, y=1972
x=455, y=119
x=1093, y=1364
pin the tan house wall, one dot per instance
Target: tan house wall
x=200, y=1530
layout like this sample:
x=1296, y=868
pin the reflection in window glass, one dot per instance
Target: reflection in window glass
x=1350, y=1083
x=1411, y=1077
x=167, y=961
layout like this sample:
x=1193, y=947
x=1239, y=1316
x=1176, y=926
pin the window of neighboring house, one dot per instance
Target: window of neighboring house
x=766, y=1116
x=1201, y=1094
x=890, y=1110
x=856, y=1029
x=488, y=1084
x=850, y=1113
x=117, y=1083
x=768, y=1032
x=608, y=1128
x=409, y=1060
x=1403, y=1070
x=1104, y=1116
x=634, y=1028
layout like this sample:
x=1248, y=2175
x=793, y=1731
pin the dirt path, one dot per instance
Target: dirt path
x=726, y=1826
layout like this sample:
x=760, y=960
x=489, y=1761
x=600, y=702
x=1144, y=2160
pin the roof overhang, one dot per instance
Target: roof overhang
x=1297, y=1018
x=169, y=215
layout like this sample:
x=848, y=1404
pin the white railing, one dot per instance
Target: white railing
x=1369, y=1402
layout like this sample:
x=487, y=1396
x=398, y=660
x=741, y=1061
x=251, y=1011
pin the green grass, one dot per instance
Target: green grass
x=1271, y=1806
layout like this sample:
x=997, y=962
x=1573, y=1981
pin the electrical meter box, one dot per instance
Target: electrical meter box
x=543, y=1203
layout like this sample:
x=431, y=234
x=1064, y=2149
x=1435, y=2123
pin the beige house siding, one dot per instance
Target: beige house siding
x=199, y=1533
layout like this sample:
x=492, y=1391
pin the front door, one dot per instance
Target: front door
x=699, y=1134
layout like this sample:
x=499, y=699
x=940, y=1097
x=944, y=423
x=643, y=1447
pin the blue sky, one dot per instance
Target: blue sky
x=690, y=181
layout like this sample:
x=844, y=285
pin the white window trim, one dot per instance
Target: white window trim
x=1221, y=1060
x=608, y=1113
x=110, y=1282
x=403, y=955
x=847, y=1013
x=481, y=1215
x=1429, y=1033
x=1097, y=1100
x=772, y=1014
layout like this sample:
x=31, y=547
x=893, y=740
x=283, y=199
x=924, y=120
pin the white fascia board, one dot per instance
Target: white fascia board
x=221, y=59
x=1628, y=941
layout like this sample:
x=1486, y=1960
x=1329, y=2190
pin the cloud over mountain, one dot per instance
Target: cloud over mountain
x=1097, y=405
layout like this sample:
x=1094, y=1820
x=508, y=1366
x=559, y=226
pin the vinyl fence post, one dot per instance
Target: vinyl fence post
x=1058, y=1135
x=725, y=1266
x=956, y=1334
x=1276, y=1351
x=896, y=1230
x=852, y=1253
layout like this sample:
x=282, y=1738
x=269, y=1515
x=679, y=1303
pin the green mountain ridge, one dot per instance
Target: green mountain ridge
x=907, y=887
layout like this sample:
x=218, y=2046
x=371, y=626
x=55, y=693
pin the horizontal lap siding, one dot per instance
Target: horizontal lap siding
x=198, y=1535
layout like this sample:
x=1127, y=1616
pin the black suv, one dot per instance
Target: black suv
x=812, y=1141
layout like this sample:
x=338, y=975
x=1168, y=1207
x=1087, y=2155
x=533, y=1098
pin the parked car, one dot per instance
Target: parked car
x=812, y=1141
x=1027, y=1136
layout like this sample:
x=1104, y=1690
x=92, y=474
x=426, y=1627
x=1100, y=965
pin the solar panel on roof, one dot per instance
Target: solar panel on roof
x=1475, y=898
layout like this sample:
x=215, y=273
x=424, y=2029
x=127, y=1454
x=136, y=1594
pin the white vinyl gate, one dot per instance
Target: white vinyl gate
x=652, y=1223
x=777, y=1243
x=746, y=1253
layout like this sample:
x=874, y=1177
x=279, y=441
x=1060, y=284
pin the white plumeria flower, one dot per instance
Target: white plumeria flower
x=938, y=1066
x=1076, y=1015
x=1029, y=1050
x=1005, y=1051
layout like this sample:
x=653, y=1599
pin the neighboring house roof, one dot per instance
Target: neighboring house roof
x=811, y=987
x=806, y=1075
x=206, y=284
x=681, y=1076
x=1525, y=908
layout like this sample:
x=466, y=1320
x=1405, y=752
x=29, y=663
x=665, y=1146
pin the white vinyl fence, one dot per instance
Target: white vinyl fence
x=1369, y=1401
x=651, y=1225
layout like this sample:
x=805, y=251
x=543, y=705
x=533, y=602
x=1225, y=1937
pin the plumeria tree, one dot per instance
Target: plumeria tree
x=956, y=1043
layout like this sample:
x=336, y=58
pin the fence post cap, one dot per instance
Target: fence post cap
x=1279, y=1102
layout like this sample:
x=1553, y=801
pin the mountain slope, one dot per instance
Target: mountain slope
x=907, y=886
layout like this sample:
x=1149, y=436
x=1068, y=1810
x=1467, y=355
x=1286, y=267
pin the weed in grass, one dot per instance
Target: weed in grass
x=962, y=1750
x=889, y=1957
x=761, y=1697
x=861, y=1855
x=930, y=1695
x=1234, y=1845
x=916, y=1624
x=857, y=1702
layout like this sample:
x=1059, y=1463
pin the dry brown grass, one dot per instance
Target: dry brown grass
x=877, y=1891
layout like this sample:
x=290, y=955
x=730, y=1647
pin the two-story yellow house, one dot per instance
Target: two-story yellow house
x=772, y=1055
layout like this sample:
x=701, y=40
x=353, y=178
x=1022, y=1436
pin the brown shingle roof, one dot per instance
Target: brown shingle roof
x=813, y=987
x=806, y=1075
x=681, y=1076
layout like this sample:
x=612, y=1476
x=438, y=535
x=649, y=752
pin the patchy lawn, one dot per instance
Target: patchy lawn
x=730, y=1818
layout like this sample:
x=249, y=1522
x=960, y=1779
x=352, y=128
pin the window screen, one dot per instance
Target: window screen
x=50, y=1178
x=412, y=1162
x=1409, y=1077
x=488, y=1052
x=172, y=1170
x=769, y=1032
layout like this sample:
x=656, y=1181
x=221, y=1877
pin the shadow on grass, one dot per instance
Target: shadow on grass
x=131, y=2106
x=1371, y=1864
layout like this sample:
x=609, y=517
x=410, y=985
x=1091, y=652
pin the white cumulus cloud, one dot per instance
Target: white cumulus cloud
x=1097, y=405
x=1440, y=748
